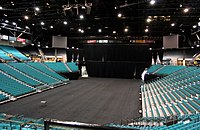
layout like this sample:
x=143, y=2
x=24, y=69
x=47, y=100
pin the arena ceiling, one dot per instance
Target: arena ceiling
x=138, y=17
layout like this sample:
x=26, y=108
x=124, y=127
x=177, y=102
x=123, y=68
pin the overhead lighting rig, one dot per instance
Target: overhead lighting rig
x=69, y=6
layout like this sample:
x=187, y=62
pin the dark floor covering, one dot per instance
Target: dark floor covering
x=92, y=100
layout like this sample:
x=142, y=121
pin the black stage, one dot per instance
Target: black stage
x=92, y=100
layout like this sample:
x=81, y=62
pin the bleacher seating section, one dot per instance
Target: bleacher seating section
x=186, y=122
x=57, y=67
x=19, y=122
x=12, y=86
x=46, y=70
x=40, y=76
x=19, y=79
x=175, y=94
x=153, y=68
x=14, y=52
x=73, y=66
x=4, y=56
x=163, y=69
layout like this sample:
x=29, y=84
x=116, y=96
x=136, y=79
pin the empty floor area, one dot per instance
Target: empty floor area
x=89, y=100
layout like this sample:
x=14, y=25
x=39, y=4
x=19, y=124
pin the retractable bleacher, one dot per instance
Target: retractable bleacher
x=5, y=57
x=11, y=50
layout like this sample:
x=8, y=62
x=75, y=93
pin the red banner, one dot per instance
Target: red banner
x=21, y=40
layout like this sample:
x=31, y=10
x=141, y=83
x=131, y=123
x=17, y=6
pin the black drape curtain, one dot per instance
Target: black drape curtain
x=155, y=56
x=160, y=55
x=116, y=60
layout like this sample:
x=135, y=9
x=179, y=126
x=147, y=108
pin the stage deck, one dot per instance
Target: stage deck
x=92, y=100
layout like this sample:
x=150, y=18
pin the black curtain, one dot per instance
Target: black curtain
x=116, y=60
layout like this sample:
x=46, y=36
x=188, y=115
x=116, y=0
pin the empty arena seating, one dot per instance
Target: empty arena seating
x=13, y=87
x=58, y=67
x=19, y=122
x=183, y=122
x=14, y=52
x=175, y=94
x=72, y=66
x=40, y=76
x=163, y=69
x=153, y=68
x=18, y=75
x=4, y=56
x=3, y=97
x=46, y=70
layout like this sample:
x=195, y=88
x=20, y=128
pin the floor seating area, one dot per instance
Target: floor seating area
x=14, y=52
x=175, y=94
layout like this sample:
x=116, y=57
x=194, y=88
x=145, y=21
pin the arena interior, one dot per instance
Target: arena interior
x=97, y=64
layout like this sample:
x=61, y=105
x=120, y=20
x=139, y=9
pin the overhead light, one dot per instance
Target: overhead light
x=79, y=30
x=199, y=24
x=146, y=30
x=26, y=17
x=115, y=7
x=148, y=20
x=82, y=31
x=19, y=20
x=194, y=26
x=14, y=23
x=186, y=10
x=81, y=17
x=5, y=15
x=181, y=5
x=51, y=26
x=42, y=23
x=37, y=9
x=173, y=24
x=65, y=22
x=1, y=7
x=47, y=3
x=26, y=27
x=114, y=32
x=99, y=30
x=38, y=45
x=6, y=21
x=83, y=7
x=23, y=43
x=126, y=30
x=32, y=44
x=47, y=47
x=152, y=2
x=119, y=15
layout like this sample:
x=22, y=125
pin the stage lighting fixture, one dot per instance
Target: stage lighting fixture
x=81, y=17
x=186, y=10
x=99, y=30
x=65, y=22
x=37, y=9
x=42, y=23
x=173, y=24
x=119, y=15
x=152, y=2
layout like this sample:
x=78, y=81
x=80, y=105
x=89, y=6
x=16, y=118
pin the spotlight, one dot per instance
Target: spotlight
x=1, y=7
x=51, y=26
x=79, y=30
x=199, y=24
x=126, y=30
x=146, y=30
x=82, y=31
x=33, y=24
x=99, y=30
x=26, y=27
x=14, y=23
x=26, y=17
x=37, y=9
x=42, y=23
x=81, y=17
x=6, y=21
x=194, y=26
x=152, y=2
x=47, y=47
x=119, y=15
x=65, y=22
x=173, y=24
x=186, y=10
x=148, y=20
x=114, y=32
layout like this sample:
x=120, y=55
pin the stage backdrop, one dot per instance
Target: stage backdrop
x=117, y=60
